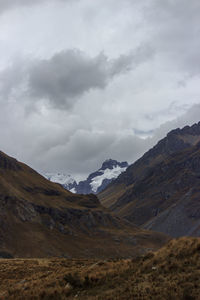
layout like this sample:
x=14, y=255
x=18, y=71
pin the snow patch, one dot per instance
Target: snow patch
x=106, y=174
x=61, y=178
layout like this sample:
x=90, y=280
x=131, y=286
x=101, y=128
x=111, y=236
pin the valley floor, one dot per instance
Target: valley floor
x=173, y=272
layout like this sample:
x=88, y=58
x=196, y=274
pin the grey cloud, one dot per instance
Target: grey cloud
x=51, y=145
x=12, y=80
x=143, y=133
x=65, y=77
x=77, y=140
x=69, y=74
x=9, y=4
x=125, y=63
x=87, y=149
x=175, y=31
x=191, y=116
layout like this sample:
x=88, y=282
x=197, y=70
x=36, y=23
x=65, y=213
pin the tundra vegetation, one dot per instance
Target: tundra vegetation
x=173, y=272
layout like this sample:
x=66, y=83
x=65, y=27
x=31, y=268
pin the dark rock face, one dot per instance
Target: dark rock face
x=104, y=184
x=162, y=188
x=83, y=187
x=70, y=186
x=110, y=164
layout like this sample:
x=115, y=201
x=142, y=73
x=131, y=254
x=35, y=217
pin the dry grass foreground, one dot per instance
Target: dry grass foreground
x=173, y=272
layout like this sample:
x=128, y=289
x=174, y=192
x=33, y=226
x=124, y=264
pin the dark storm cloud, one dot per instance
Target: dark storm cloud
x=66, y=76
x=69, y=74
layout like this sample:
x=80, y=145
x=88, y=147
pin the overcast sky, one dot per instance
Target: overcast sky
x=83, y=81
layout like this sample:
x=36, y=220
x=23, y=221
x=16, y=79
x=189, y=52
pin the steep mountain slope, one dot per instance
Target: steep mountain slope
x=96, y=181
x=40, y=218
x=161, y=190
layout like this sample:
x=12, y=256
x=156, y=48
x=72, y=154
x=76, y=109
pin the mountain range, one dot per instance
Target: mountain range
x=95, y=182
x=160, y=191
x=154, y=198
x=39, y=218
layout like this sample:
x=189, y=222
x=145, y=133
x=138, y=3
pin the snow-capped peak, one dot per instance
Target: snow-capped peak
x=107, y=174
x=95, y=182
x=62, y=178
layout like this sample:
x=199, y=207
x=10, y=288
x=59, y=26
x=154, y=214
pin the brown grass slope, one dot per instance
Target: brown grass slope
x=39, y=218
x=161, y=190
x=173, y=272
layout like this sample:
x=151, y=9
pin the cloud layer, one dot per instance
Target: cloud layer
x=84, y=81
x=66, y=76
x=70, y=74
x=9, y=4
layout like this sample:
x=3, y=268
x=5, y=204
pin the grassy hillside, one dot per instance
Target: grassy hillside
x=39, y=218
x=173, y=272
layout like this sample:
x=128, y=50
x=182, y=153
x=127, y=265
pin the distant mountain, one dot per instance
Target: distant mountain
x=161, y=191
x=95, y=183
x=66, y=180
x=39, y=218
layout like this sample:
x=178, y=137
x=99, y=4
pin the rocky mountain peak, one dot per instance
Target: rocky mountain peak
x=160, y=191
x=98, y=180
x=95, y=182
x=187, y=130
x=111, y=163
x=176, y=140
x=191, y=130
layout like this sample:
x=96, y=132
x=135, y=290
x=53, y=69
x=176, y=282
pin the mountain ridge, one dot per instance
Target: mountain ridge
x=145, y=192
x=95, y=182
x=39, y=218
